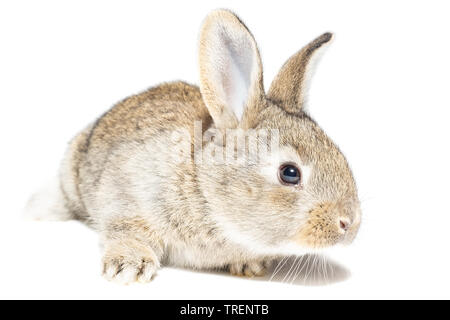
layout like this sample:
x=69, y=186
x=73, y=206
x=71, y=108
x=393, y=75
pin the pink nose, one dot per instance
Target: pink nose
x=344, y=224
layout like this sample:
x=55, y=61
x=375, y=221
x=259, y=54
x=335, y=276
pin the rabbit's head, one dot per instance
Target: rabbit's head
x=301, y=192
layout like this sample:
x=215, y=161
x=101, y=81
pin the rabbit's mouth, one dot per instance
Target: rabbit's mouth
x=327, y=226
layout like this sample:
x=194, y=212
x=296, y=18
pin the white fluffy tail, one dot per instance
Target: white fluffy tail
x=47, y=204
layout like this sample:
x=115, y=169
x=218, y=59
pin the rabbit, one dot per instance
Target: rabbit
x=120, y=175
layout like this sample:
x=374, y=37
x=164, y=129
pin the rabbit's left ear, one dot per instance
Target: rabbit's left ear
x=290, y=86
x=230, y=69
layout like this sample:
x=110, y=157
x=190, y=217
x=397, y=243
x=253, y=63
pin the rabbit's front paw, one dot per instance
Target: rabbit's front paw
x=249, y=269
x=127, y=269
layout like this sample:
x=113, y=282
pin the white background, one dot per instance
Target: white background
x=381, y=92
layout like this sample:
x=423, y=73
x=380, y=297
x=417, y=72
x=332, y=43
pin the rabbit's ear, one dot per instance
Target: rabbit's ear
x=230, y=69
x=290, y=86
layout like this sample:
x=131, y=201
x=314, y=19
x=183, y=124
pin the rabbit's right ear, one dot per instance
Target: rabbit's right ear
x=230, y=70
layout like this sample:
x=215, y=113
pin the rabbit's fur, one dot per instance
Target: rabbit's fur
x=121, y=175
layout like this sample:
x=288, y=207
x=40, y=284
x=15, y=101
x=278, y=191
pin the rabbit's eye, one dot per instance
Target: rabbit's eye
x=289, y=174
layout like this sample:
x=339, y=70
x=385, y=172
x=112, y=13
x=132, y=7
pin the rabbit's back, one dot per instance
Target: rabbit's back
x=139, y=124
x=167, y=107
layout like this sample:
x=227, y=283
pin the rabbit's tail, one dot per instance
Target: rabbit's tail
x=48, y=203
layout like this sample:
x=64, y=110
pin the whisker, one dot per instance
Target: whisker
x=315, y=269
x=296, y=272
x=325, y=269
x=307, y=268
x=303, y=265
x=289, y=271
x=278, y=267
x=331, y=269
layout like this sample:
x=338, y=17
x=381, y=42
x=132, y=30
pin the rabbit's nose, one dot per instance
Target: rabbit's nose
x=344, y=224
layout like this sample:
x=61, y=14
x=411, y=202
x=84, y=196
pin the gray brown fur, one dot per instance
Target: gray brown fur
x=119, y=176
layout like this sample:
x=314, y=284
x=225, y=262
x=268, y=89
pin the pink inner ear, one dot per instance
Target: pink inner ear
x=234, y=64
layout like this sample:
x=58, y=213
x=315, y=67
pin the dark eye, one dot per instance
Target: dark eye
x=289, y=174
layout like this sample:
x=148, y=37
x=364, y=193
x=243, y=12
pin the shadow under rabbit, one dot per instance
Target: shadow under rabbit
x=306, y=270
